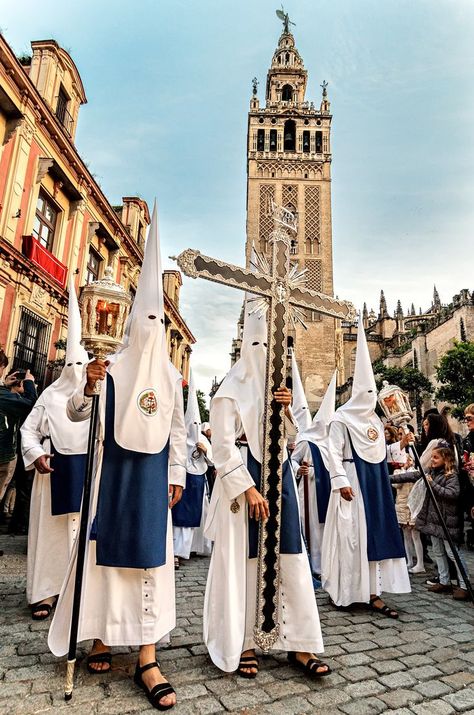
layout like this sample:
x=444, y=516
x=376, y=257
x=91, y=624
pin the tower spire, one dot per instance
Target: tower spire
x=383, y=312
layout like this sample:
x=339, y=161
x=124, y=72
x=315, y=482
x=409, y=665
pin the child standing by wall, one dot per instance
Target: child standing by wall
x=445, y=484
x=411, y=535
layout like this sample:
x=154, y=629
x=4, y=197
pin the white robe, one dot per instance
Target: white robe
x=302, y=452
x=121, y=606
x=187, y=539
x=229, y=604
x=346, y=573
x=50, y=538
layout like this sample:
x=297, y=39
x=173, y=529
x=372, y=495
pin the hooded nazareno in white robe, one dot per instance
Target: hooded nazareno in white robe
x=189, y=515
x=51, y=534
x=133, y=603
x=312, y=447
x=367, y=524
x=230, y=599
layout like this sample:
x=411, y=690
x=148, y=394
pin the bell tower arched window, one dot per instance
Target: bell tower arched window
x=289, y=136
x=287, y=93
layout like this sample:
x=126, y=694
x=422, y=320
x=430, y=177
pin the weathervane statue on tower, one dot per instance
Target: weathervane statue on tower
x=285, y=18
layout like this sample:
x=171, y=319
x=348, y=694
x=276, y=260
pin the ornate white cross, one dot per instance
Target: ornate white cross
x=281, y=291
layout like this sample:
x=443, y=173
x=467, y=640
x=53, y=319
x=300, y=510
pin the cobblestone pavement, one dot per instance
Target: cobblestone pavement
x=423, y=663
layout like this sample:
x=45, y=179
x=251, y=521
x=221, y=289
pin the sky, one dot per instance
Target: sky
x=168, y=84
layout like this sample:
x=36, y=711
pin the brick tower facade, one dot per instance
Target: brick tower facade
x=289, y=162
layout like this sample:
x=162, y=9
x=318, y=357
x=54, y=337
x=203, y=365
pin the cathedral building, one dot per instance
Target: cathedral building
x=289, y=163
x=55, y=220
x=408, y=338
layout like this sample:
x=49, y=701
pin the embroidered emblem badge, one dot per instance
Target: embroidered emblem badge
x=372, y=434
x=235, y=507
x=148, y=402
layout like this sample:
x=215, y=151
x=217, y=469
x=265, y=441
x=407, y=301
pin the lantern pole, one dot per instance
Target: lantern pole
x=396, y=407
x=105, y=306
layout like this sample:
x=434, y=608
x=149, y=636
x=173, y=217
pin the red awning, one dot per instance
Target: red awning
x=43, y=258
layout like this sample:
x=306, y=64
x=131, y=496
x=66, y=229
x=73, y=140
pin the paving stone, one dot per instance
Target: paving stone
x=279, y=689
x=29, y=705
x=426, y=672
x=400, y=679
x=459, y=680
x=364, y=689
x=242, y=698
x=366, y=706
x=359, y=647
x=332, y=696
x=193, y=690
x=434, y=707
x=353, y=659
x=357, y=673
x=454, y=665
x=290, y=706
x=414, y=661
x=433, y=689
x=462, y=700
x=401, y=698
x=388, y=666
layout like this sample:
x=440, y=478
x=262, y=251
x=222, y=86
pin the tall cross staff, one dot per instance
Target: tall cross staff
x=281, y=288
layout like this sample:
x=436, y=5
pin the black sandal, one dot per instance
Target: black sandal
x=158, y=691
x=104, y=657
x=37, y=608
x=311, y=666
x=384, y=610
x=248, y=661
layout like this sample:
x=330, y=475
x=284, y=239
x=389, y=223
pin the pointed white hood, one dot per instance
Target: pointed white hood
x=299, y=403
x=144, y=378
x=318, y=431
x=192, y=419
x=245, y=382
x=358, y=413
x=68, y=437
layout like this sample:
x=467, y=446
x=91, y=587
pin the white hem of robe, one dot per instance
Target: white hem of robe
x=182, y=541
x=120, y=606
x=346, y=574
x=50, y=542
x=227, y=609
x=201, y=545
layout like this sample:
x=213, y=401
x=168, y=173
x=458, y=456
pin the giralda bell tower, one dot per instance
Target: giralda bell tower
x=289, y=162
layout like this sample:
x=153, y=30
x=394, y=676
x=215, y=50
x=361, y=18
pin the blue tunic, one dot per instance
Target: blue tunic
x=322, y=482
x=67, y=481
x=188, y=511
x=384, y=540
x=132, y=509
x=290, y=535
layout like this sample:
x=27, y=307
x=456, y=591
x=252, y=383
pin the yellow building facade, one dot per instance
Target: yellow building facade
x=55, y=220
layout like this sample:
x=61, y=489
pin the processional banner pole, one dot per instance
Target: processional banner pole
x=104, y=309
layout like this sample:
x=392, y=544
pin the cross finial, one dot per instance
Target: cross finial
x=255, y=84
x=324, y=86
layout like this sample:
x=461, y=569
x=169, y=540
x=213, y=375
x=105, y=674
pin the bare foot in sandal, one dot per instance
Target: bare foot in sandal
x=379, y=606
x=310, y=663
x=248, y=666
x=100, y=658
x=42, y=610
